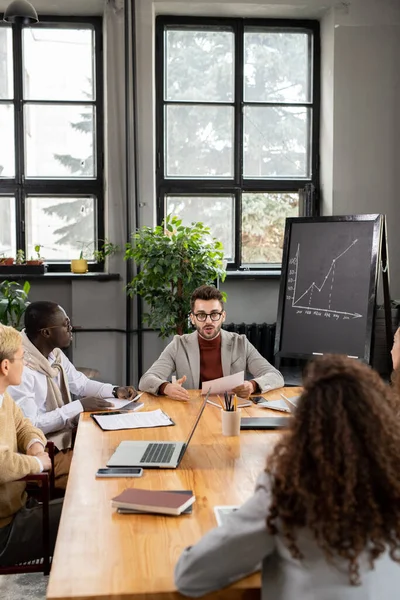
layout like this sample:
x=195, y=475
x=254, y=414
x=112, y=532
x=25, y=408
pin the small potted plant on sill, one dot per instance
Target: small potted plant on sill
x=6, y=260
x=36, y=261
x=80, y=265
x=20, y=258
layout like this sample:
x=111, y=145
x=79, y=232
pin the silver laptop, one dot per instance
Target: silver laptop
x=160, y=455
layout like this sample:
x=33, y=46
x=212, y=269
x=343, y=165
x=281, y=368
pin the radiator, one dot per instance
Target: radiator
x=262, y=336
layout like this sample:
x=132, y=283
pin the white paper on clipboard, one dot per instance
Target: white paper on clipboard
x=223, y=384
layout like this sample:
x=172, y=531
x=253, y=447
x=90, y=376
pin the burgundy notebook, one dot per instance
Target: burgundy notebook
x=155, y=501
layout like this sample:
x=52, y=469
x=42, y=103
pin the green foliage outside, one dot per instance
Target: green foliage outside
x=174, y=260
x=13, y=303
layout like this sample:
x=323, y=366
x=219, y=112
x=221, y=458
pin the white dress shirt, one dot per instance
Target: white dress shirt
x=31, y=395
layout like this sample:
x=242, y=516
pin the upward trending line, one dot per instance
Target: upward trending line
x=314, y=285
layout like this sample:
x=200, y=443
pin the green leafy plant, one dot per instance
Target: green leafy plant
x=13, y=302
x=106, y=249
x=20, y=258
x=37, y=250
x=174, y=260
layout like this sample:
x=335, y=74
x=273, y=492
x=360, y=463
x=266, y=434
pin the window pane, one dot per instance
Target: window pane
x=6, y=64
x=58, y=64
x=276, y=66
x=216, y=212
x=199, y=65
x=276, y=142
x=62, y=225
x=7, y=226
x=263, y=225
x=199, y=141
x=59, y=141
x=7, y=149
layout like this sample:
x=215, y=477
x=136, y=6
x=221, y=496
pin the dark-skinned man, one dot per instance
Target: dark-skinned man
x=49, y=379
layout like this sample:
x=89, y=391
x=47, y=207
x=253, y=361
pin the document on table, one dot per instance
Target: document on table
x=223, y=384
x=121, y=403
x=154, y=418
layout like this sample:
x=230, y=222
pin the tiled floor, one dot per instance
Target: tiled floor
x=26, y=586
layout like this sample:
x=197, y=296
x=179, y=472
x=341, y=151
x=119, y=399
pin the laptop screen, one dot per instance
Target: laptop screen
x=198, y=418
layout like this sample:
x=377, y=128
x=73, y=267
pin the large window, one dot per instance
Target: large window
x=51, y=139
x=237, y=128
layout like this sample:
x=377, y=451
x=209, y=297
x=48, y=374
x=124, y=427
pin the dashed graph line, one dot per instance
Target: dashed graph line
x=330, y=292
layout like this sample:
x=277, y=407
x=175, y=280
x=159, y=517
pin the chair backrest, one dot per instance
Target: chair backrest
x=43, y=492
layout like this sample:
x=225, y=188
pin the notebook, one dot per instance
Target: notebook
x=152, y=454
x=132, y=511
x=154, y=501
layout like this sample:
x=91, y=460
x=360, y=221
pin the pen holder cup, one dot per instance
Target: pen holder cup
x=230, y=422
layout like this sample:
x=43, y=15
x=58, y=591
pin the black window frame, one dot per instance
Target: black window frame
x=238, y=184
x=20, y=187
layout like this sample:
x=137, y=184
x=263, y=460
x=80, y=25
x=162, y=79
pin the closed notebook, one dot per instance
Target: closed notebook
x=154, y=501
x=132, y=511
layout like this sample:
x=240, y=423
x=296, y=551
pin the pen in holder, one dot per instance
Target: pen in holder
x=230, y=415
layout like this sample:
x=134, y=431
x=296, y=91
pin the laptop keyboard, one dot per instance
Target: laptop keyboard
x=158, y=453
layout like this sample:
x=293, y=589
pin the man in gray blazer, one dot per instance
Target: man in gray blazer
x=208, y=353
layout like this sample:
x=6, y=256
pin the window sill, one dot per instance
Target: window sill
x=91, y=276
x=256, y=274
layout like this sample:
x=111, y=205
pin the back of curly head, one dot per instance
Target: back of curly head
x=337, y=473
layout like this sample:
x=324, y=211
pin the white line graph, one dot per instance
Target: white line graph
x=314, y=287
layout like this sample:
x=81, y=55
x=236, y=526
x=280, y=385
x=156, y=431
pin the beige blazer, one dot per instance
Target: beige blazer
x=182, y=357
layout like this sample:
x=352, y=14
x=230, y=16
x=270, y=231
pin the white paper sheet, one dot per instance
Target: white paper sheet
x=223, y=384
x=121, y=403
x=154, y=418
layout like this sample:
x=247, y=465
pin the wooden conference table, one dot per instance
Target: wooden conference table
x=105, y=555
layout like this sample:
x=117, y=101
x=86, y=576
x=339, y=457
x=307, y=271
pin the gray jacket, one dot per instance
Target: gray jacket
x=227, y=553
x=182, y=357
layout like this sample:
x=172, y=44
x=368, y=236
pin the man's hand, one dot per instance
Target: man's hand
x=44, y=459
x=244, y=390
x=176, y=391
x=35, y=449
x=91, y=403
x=126, y=393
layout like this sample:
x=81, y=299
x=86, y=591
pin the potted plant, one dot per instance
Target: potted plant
x=20, y=258
x=174, y=260
x=13, y=302
x=80, y=265
x=6, y=260
x=39, y=259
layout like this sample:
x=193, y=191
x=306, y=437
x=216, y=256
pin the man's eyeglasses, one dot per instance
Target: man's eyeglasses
x=214, y=316
x=67, y=326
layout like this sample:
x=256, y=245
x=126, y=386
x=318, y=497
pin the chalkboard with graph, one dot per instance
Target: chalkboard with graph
x=328, y=286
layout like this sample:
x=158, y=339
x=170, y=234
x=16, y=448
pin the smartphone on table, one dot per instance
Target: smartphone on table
x=120, y=472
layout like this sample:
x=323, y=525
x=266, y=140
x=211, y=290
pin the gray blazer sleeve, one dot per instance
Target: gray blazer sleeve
x=264, y=374
x=231, y=551
x=161, y=370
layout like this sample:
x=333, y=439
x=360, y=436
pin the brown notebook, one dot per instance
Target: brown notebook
x=154, y=501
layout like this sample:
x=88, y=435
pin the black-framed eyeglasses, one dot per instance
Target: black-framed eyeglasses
x=202, y=316
x=67, y=326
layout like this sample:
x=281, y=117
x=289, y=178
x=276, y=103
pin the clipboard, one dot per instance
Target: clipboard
x=160, y=419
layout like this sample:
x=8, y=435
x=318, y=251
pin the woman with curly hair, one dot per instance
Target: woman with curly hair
x=325, y=516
